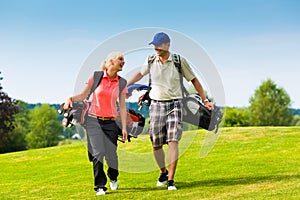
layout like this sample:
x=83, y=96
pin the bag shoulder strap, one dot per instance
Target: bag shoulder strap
x=97, y=79
x=151, y=59
x=98, y=75
x=122, y=84
x=177, y=63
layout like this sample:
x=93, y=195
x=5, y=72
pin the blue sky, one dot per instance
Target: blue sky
x=43, y=44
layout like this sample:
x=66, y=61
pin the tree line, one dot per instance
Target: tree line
x=269, y=106
x=27, y=126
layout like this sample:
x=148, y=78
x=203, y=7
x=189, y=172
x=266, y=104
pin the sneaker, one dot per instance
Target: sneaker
x=113, y=185
x=171, y=185
x=100, y=191
x=162, y=180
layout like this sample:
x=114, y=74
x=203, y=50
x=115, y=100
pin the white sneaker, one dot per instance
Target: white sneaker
x=159, y=184
x=163, y=179
x=113, y=185
x=100, y=191
x=171, y=185
x=172, y=188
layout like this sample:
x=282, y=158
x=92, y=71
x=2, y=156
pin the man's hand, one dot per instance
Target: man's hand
x=209, y=105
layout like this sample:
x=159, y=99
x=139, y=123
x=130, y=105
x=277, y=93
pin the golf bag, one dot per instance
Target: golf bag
x=194, y=112
x=144, y=99
x=74, y=115
x=135, y=123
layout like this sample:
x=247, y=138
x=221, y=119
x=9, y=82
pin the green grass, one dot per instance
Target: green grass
x=245, y=163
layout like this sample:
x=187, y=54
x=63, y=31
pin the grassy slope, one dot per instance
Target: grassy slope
x=245, y=163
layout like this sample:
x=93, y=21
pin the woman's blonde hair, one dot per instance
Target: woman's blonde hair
x=111, y=56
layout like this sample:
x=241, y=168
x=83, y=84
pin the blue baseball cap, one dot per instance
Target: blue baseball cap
x=160, y=38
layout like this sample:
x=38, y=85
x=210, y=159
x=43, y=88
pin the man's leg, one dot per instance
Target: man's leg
x=157, y=131
x=172, y=159
x=159, y=156
x=174, y=132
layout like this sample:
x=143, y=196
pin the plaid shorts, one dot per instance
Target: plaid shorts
x=165, y=122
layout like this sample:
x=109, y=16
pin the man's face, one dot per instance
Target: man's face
x=162, y=49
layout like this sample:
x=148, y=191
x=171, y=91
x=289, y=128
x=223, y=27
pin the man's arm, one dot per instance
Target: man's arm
x=200, y=91
x=136, y=77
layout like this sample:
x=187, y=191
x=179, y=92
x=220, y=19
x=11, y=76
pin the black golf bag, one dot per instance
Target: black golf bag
x=194, y=112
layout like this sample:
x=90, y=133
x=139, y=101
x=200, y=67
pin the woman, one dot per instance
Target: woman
x=102, y=129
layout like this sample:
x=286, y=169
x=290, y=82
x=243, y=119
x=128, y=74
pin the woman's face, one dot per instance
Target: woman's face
x=118, y=63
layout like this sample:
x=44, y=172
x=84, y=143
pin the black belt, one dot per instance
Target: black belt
x=104, y=118
x=165, y=101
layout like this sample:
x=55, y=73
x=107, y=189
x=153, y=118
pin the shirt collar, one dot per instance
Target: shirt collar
x=169, y=58
x=106, y=76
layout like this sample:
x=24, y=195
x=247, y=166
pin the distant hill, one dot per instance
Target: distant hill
x=296, y=111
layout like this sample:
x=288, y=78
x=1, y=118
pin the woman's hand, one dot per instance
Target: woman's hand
x=68, y=103
x=124, y=135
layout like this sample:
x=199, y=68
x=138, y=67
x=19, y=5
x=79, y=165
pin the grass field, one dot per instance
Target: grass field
x=245, y=163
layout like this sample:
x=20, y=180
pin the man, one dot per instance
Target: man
x=166, y=107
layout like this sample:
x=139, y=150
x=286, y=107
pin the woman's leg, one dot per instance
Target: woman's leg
x=97, y=147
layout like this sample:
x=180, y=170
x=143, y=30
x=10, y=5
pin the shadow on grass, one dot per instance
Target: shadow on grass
x=236, y=181
x=212, y=183
x=142, y=189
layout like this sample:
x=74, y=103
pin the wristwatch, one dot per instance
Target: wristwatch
x=205, y=100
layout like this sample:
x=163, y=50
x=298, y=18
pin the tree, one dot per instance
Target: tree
x=296, y=120
x=269, y=106
x=44, y=128
x=16, y=138
x=236, y=117
x=8, y=109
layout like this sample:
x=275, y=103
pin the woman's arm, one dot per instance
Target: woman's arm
x=123, y=115
x=78, y=97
